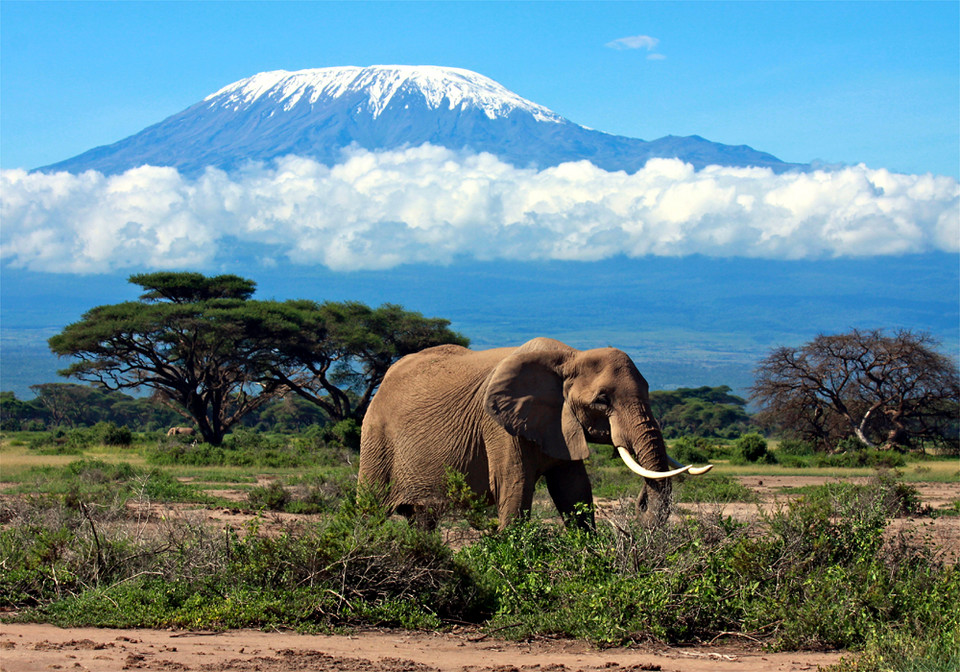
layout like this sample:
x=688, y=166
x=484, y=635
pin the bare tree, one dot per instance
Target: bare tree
x=885, y=390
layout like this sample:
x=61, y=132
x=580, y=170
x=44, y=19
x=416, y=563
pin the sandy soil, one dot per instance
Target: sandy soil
x=32, y=648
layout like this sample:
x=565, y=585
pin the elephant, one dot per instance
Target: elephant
x=186, y=431
x=506, y=417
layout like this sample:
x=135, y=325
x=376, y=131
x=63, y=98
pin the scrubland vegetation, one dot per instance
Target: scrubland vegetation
x=117, y=536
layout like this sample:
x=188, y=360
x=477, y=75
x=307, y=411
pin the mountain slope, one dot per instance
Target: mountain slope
x=316, y=113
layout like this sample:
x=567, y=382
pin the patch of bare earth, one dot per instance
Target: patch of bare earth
x=30, y=647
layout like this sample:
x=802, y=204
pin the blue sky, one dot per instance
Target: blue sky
x=868, y=82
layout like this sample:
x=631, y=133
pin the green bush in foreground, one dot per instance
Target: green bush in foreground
x=816, y=574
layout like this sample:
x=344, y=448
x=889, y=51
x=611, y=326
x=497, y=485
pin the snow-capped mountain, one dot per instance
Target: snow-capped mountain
x=317, y=112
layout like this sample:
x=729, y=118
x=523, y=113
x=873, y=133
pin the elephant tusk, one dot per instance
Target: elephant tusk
x=694, y=471
x=646, y=473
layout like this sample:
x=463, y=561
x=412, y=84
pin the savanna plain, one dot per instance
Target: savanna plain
x=261, y=554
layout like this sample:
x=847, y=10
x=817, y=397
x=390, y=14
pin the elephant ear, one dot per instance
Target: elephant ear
x=525, y=396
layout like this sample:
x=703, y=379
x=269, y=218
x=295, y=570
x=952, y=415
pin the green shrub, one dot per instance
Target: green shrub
x=321, y=492
x=817, y=573
x=109, y=434
x=794, y=447
x=345, y=433
x=867, y=457
x=752, y=448
x=689, y=449
x=850, y=444
x=357, y=567
x=272, y=496
x=243, y=448
x=99, y=482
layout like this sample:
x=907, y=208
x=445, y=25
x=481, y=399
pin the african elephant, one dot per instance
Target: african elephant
x=186, y=431
x=506, y=417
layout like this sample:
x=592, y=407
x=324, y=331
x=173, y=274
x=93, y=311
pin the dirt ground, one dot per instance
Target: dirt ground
x=34, y=647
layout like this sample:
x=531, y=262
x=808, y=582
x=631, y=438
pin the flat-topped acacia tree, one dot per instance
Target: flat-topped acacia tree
x=214, y=354
x=188, y=338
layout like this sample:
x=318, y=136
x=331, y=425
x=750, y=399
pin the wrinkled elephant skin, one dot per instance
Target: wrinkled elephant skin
x=504, y=418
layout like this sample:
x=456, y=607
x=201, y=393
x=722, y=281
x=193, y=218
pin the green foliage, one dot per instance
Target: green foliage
x=272, y=496
x=701, y=411
x=850, y=444
x=243, y=448
x=345, y=433
x=893, y=650
x=337, y=353
x=895, y=497
x=697, y=449
x=690, y=450
x=97, y=482
x=862, y=458
x=109, y=434
x=817, y=573
x=203, y=345
x=316, y=493
x=461, y=498
x=752, y=448
x=795, y=448
x=358, y=567
x=820, y=576
x=856, y=459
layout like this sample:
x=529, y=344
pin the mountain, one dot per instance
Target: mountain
x=316, y=113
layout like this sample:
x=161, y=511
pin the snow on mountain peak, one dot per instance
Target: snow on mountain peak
x=458, y=87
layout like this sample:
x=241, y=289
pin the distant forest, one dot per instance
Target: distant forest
x=710, y=412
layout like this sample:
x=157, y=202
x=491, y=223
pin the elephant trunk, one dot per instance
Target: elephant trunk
x=654, y=502
x=653, y=463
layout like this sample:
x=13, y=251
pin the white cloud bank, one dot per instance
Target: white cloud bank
x=376, y=210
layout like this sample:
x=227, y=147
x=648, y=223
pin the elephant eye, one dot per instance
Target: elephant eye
x=601, y=401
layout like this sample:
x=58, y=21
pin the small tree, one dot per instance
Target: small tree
x=885, y=390
x=191, y=338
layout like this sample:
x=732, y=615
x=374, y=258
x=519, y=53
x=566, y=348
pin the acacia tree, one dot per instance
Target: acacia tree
x=191, y=338
x=214, y=354
x=340, y=352
x=885, y=390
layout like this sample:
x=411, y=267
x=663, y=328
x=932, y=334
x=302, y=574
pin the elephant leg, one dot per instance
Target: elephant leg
x=423, y=516
x=512, y=484
x=569, y=486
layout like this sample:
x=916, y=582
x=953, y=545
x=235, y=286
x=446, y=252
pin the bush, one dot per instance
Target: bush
x=868, y=457
x=243, y=448
x=688, y=449
x=850, y=444
x=357, y=567
x=752, y=448
x=817, y=573
x=345, y=433
x=272, y=496
x=795, y=447
x=820, y=576
x=109, y=434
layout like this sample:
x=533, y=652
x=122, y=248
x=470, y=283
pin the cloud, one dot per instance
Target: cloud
x=634, y=42
x=376, y=210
